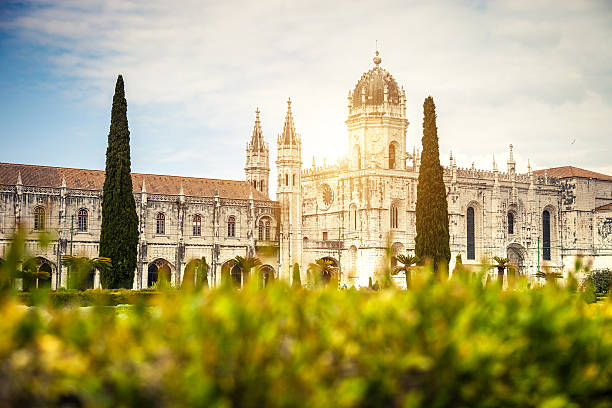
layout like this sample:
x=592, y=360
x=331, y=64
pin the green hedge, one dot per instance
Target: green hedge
x=602, y=279
x=453, y=343
x=87, y=297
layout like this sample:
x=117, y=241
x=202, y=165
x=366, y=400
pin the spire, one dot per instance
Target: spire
x=529, y=166
x=63, y=181
x=257, y=141
x=494, y=164
x=289, y=136
x=511, y=162
x=144, y=187
x=19, y=178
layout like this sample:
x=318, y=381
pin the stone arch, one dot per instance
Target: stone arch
x=159, y=269
x=231, y=221
x=232, y=273
x=37, y=265
x=517, y=254
x=190, y=271
x=267, y=274
x=473, y=230
x=196, y=225
x=353, y=217
x=396, y=249
x=40, y=218
x=395, y=214
x=352, y=260
x=82, y=220
x=266, y=224
x=512, y=220
x=548, y=218
x=160, y=223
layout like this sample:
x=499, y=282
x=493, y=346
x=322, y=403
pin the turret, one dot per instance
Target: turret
x=257, y=167
x=377, y=121
x=288, y=194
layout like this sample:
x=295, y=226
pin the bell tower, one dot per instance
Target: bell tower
x=257, y=167
x=377, y=121
x=288, y=194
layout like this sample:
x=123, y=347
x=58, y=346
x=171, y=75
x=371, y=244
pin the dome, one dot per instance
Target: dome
x=372, y=84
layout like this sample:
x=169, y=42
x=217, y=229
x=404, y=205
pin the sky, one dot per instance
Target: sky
x=535, y=74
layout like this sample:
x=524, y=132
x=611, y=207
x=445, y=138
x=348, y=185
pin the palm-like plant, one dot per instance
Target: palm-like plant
x=502, y=265
x=245, y=264
x=82, y=266
x=407, y=262
x=324, y=269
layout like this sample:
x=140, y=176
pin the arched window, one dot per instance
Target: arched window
x=82, y=220
x=39, y=218
x=391, y=156
x=294, y=179
x=353, y=259
x=161, y=223
x=236, y=274
x=231, y=226
x=510, y=223
x=264, y=229
x=353, y=217
x=262, y=185
x=358, y=156
x=471, y=247
x=197, y=225
x=546, y=235
x=394, y=216
x=286, y=179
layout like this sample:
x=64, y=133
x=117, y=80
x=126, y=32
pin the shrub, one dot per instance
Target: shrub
x=89, y=297
x=442, y=343
x=601, y=280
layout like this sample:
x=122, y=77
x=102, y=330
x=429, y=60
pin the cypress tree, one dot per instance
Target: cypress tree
x=119, y=235
x=432, y=238
x=297, y=281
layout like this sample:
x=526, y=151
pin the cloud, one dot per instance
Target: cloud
x=535, y=74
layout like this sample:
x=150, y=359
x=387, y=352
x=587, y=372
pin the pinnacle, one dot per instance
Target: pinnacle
x=289, y=136
x=257, y=141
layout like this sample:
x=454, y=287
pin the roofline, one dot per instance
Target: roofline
x=132, y=173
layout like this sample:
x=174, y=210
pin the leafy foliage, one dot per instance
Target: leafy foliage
x=296, y=281
x=501, y=264
x=196, y=274
x=407, y=262
x=450, y=343
x=119, y=234
x=602, y=279
x=81, y=267
x=432, y=236
x=323, y=271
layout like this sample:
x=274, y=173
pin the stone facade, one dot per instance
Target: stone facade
x=355, y=209
x=349, y=212
x=180, y=219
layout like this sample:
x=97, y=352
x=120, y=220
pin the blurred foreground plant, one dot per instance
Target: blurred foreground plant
x=441, y=343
